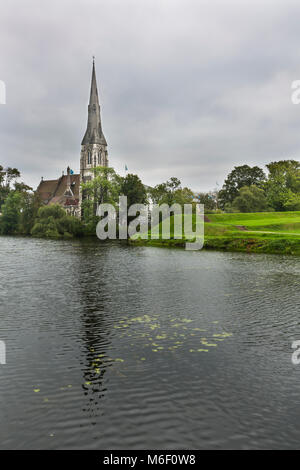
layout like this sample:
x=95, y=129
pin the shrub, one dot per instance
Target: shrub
x=53, y=222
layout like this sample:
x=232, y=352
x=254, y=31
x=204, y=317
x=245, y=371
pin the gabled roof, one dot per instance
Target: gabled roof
x=56, y=191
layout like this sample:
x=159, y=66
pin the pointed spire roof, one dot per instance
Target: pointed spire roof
x=94, y=92
x=94, y=134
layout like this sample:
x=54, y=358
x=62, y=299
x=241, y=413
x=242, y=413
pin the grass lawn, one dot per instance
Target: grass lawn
x=263, y=232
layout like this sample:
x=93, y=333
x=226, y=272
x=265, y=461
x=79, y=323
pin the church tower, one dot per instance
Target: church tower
x=93, y=146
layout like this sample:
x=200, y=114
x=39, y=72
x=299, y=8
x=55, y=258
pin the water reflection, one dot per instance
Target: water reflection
x=124, y=347
x=96, y=330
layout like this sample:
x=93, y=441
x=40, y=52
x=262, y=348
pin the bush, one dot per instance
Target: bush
x=53, y=222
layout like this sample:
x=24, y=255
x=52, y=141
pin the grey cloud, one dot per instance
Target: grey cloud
x=187, y=88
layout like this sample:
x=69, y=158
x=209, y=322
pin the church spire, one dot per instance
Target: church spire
x=94, y=92
x=94, y=134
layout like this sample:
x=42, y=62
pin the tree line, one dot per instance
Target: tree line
x=246, y=189
x=23, y=213
x=250, y=189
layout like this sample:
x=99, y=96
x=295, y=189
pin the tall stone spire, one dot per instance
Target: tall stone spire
x=94, y=134
x=93, y=146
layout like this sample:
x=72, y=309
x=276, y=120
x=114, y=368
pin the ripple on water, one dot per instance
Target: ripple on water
x=112, y=346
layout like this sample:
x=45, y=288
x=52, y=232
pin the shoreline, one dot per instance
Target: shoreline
x=276, y=246
x=234, y=244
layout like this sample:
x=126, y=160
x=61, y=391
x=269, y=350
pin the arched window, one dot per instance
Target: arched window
x=89, y=158
x=99, y=158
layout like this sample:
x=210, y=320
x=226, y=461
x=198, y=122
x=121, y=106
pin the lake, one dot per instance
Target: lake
x=111, y=346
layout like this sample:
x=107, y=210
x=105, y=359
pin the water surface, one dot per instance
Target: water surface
x=113, y=346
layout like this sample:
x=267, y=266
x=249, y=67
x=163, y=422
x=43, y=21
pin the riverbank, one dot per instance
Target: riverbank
x=265, y=232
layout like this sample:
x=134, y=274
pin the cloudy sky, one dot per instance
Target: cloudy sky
x=188, y=88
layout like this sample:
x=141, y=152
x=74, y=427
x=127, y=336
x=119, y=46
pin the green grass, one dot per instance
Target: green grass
x=264, y=232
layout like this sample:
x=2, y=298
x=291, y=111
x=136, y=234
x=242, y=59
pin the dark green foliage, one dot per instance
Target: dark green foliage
x=283, y=185
x=133, y=188
x=209, y=201
x=53, y=222
x=7, y=175
x=104, y=188
x=250, y=199
x=171, y=193
x=239, y=177
x=10, y=218
x=31, y=203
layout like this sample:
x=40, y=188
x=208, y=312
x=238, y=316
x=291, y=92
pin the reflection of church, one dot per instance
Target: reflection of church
x=66, y=189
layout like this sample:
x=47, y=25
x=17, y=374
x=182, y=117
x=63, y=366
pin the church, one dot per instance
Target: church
x=66, y=190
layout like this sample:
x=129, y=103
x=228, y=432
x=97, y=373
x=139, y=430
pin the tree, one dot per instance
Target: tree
x=133, y=188
x=105, y=187
x=4, y=189
x=10, y=218
x=250, y=199
x=11, y=175
x=239, y=177
x=283, y=167
x=171, y=192
x=283, y=184
x=31, y=202
x=19, y=204
x=53, y=222
x=7, y=176
x=293, y=202
x=22, y=187
x=208, y=200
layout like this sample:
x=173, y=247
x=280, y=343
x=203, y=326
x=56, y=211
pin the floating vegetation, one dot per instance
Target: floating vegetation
x=222, y=335
x=168, y=331
x=171, y=335
x=211, y=345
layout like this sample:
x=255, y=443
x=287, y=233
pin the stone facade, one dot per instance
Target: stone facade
x=66, y=190
x=93, y=146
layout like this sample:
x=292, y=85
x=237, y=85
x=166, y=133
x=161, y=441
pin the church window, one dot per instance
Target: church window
x=89, y=158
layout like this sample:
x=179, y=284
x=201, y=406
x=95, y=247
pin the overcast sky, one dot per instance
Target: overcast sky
x=188, y=88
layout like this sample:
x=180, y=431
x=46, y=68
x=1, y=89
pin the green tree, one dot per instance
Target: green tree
x=53, y=222
x=250, y=199
x=11, y=212
x=208, y=200
x=133, y=188
x=239, y=177
x=31, y=202
x=105, y=187
x=292, y=203
x=171, y=192
x=7, y=177
x=11, y=174
x=283, y=184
